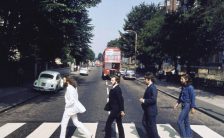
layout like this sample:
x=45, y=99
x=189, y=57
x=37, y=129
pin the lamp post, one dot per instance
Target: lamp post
x=136, y=42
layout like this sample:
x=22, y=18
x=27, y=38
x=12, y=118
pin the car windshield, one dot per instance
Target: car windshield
x=47, y=76
x=83, y=69
x=130, y=71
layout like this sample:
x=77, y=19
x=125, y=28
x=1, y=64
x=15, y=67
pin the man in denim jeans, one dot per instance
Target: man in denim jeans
x=187, y=100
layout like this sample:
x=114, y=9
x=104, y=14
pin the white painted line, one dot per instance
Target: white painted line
x=107, y=91
x=167, y=131
x=205, y=132
x=107, y=102
x=130, y=130
x=9, y=128
x=106, y=82
x=45, y=130
x=92, y=128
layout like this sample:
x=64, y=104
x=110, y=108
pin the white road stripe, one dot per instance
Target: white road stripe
x=45, y=130
x=107, y=91
x=92, y=128
x=9, y=128
x=167, y=131
x=205, y=132
x=106, y=82
x=107, y=102
x=129, y=130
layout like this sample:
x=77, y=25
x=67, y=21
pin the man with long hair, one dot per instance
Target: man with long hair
x=72, y=108
x=187, y=100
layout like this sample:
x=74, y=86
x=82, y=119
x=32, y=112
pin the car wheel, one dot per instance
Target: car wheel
x=56, y=89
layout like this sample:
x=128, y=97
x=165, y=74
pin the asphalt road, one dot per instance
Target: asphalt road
x=93, y=94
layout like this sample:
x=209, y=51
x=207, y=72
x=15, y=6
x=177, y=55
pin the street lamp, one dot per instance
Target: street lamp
x=136, y=42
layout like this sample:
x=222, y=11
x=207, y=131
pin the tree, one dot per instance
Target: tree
x=138, y=20
x=150, y=50
x=42, y=30
x=100, y=56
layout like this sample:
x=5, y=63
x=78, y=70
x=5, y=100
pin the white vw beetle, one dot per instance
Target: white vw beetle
x=48, y=81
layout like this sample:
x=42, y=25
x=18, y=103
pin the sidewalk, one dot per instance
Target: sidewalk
x=15, y=95
x=206, y=102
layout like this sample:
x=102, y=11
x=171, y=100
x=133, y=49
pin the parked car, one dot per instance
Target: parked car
x=129, y=74
x=83, y=71
x=122, y=71
x=48, y=81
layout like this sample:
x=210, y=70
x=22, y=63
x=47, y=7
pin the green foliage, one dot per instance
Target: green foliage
x=138, y=16
x=99, y=57
x=145, y=20
x=194, y=34
x=149, y=42
x=41, y=29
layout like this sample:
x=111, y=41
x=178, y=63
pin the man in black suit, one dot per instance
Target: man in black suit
x=149, y=105
x=116, y=103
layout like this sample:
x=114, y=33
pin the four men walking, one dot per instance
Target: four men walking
x=116, y=107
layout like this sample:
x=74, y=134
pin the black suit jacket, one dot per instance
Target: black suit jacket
x=150, y=104
x=116, y=100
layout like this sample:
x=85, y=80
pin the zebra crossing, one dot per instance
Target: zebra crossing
x=132, y=130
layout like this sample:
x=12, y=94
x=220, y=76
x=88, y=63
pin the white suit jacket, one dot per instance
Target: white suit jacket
x=72, y=103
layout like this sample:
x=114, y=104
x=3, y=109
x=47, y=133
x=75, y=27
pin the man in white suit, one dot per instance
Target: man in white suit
x=72, y=107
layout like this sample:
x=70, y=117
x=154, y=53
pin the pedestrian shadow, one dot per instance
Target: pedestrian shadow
x=135, y=132
x=171, y=132
x=141, y=131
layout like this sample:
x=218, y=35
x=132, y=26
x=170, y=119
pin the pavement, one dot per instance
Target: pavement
x=206, y=102
x=13, y=96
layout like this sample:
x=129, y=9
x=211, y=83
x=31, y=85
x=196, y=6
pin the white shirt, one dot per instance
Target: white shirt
x=72, y=104
x=115, y=85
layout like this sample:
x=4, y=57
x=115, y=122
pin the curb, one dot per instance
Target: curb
x=201, y=110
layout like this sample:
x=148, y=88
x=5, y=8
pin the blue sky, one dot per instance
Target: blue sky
x=108, y=18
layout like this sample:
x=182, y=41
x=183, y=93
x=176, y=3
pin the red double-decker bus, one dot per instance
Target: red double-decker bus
x=111, y=62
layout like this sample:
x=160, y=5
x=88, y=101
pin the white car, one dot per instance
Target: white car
x=83, y=71
x=122, y=71
x=48, y=81
x=129, y=74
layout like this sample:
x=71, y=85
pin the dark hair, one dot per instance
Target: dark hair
x=187, y=78
x=150, y=76
x=117, y=79
x=71, y=81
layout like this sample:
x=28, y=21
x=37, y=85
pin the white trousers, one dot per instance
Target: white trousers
x=76, y=122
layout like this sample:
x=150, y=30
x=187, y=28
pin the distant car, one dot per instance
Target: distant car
x=83, y=71
x=129, y=74
x=122, y=71
x=48, y=81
